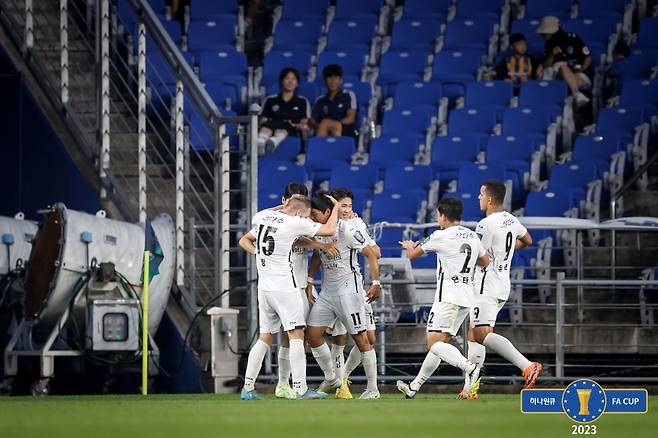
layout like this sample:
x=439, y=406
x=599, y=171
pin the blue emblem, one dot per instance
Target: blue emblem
x=584, y=401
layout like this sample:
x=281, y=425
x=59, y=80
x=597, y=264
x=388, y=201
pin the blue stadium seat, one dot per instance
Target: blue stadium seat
x=639, y=92
x=276, y=174
x=598, y=149
x=353, y=33
x=636, y=66
x=602, y=8
x=456, y=65
x=472, y=210
x=324, y=152
x=462, y=120
x=268, y=199
x=351, y=60
x=480, y=8
x=224, y=95
x=471, y=176
x=297, y=33
x=529, y=29
x=592, y=30
x=416, y=33
x=515, y=152
x=541, y=8
x=403, y=176
x=287, y=150
x=526, y=119
x=489, y=94
x=305, y=8
x=400, y=147
x=416, y=120
x=547, y=203
x=216, y=33
x=573, y=178
x=436, y=9
x=200, y=134
x=201, y=10
x=354, y=177
x=225, y=64
x=412, y=93
x=619, y=119
x=363, y=91
x=389, y=242
x=451, y=151
x=397, y=205
x=400, y=66
x=277, y=60
x=158, y=71
x=648, y=33
x=362, y=8
x=468, y=34
x=360, y=200
x=543, y=93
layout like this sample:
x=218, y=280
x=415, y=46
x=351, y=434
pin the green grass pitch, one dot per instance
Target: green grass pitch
x=205, y=415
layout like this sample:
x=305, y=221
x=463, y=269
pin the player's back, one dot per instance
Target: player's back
x=275, y=234
x=458, y=249
x=498, y=233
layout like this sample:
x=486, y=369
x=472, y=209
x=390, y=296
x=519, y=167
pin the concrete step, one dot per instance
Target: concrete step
x=637, y=203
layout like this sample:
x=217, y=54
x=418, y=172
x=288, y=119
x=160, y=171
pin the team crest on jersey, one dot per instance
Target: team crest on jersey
x=359, y=237
x=479, y=235
x=275, y=107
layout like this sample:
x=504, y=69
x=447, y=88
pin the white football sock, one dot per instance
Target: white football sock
x=298, y=366
x=451, y=354
x=284, y=365
x=254, y=362
x=322, y=356
x=353, y=361
x=504, y=347
x=369, y=360
x=476, y=353
x=339, y=360
x=430, y=364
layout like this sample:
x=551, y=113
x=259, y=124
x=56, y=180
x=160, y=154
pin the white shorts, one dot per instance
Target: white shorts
x=370, y=317
x=553, y=73
x=337, y=328
x=485, y=310
x=446, y=317
x=281, y=308
x=349, y=309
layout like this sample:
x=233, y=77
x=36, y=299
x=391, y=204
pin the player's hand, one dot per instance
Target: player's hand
x=408, y=244
x=556, y=51
x=373, y=293
x=331, y=249
x=332, y=199
x=309, y=293
x=351, y=215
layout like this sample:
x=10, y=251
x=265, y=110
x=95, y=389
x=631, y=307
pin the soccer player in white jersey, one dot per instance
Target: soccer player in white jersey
x=458, y=249
x=341, y=298
x=371, y=253
x=300, y=267
x=279, y=299
x=500, y=233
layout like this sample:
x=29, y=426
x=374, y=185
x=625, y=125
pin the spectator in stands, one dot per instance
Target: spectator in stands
x=283, y=114
x=566, y=56
x=611, y=82
x=519, y=66
x=334, y=114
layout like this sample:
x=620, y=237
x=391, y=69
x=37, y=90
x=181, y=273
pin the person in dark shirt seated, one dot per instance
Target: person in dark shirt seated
x=519, y=66
x=566, y=56
x=334, y=114
x=283, y=114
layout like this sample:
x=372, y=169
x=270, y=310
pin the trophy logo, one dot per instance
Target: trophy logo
x=583, y=398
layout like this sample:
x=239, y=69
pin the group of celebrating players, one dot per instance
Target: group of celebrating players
x=472, y=280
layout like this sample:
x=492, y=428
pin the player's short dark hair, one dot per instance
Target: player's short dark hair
x=622, y=49
x=295, y=188
x=332, y=70
x=284, y=72
x=452, y=208
x=496, y=189
x=321, y=202
x=342, y=193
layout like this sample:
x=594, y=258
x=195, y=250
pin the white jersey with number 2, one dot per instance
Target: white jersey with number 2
x=498, y=233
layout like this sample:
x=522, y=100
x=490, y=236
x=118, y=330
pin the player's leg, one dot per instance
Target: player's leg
x=275, y=140
x=268, y=323
x=329, y=127
x=483, y=333
x=352, y=313
x=322, y=316
x=354, y=358
x=264, y=134
x=283, y=388
x=476, y=354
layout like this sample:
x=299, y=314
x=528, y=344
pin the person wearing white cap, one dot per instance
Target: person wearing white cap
x=566, y=56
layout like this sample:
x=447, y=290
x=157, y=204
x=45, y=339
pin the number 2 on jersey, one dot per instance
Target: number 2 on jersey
x=265, y=240
x=466, y=248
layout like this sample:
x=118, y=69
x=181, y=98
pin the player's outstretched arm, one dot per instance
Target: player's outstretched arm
x=414, y=250
x=329, y=229
x=329, y=248
x=373, y=265
x=247, y=243
x=524, y=241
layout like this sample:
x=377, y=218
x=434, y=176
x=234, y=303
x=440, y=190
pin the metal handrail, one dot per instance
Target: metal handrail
x=627, y=186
